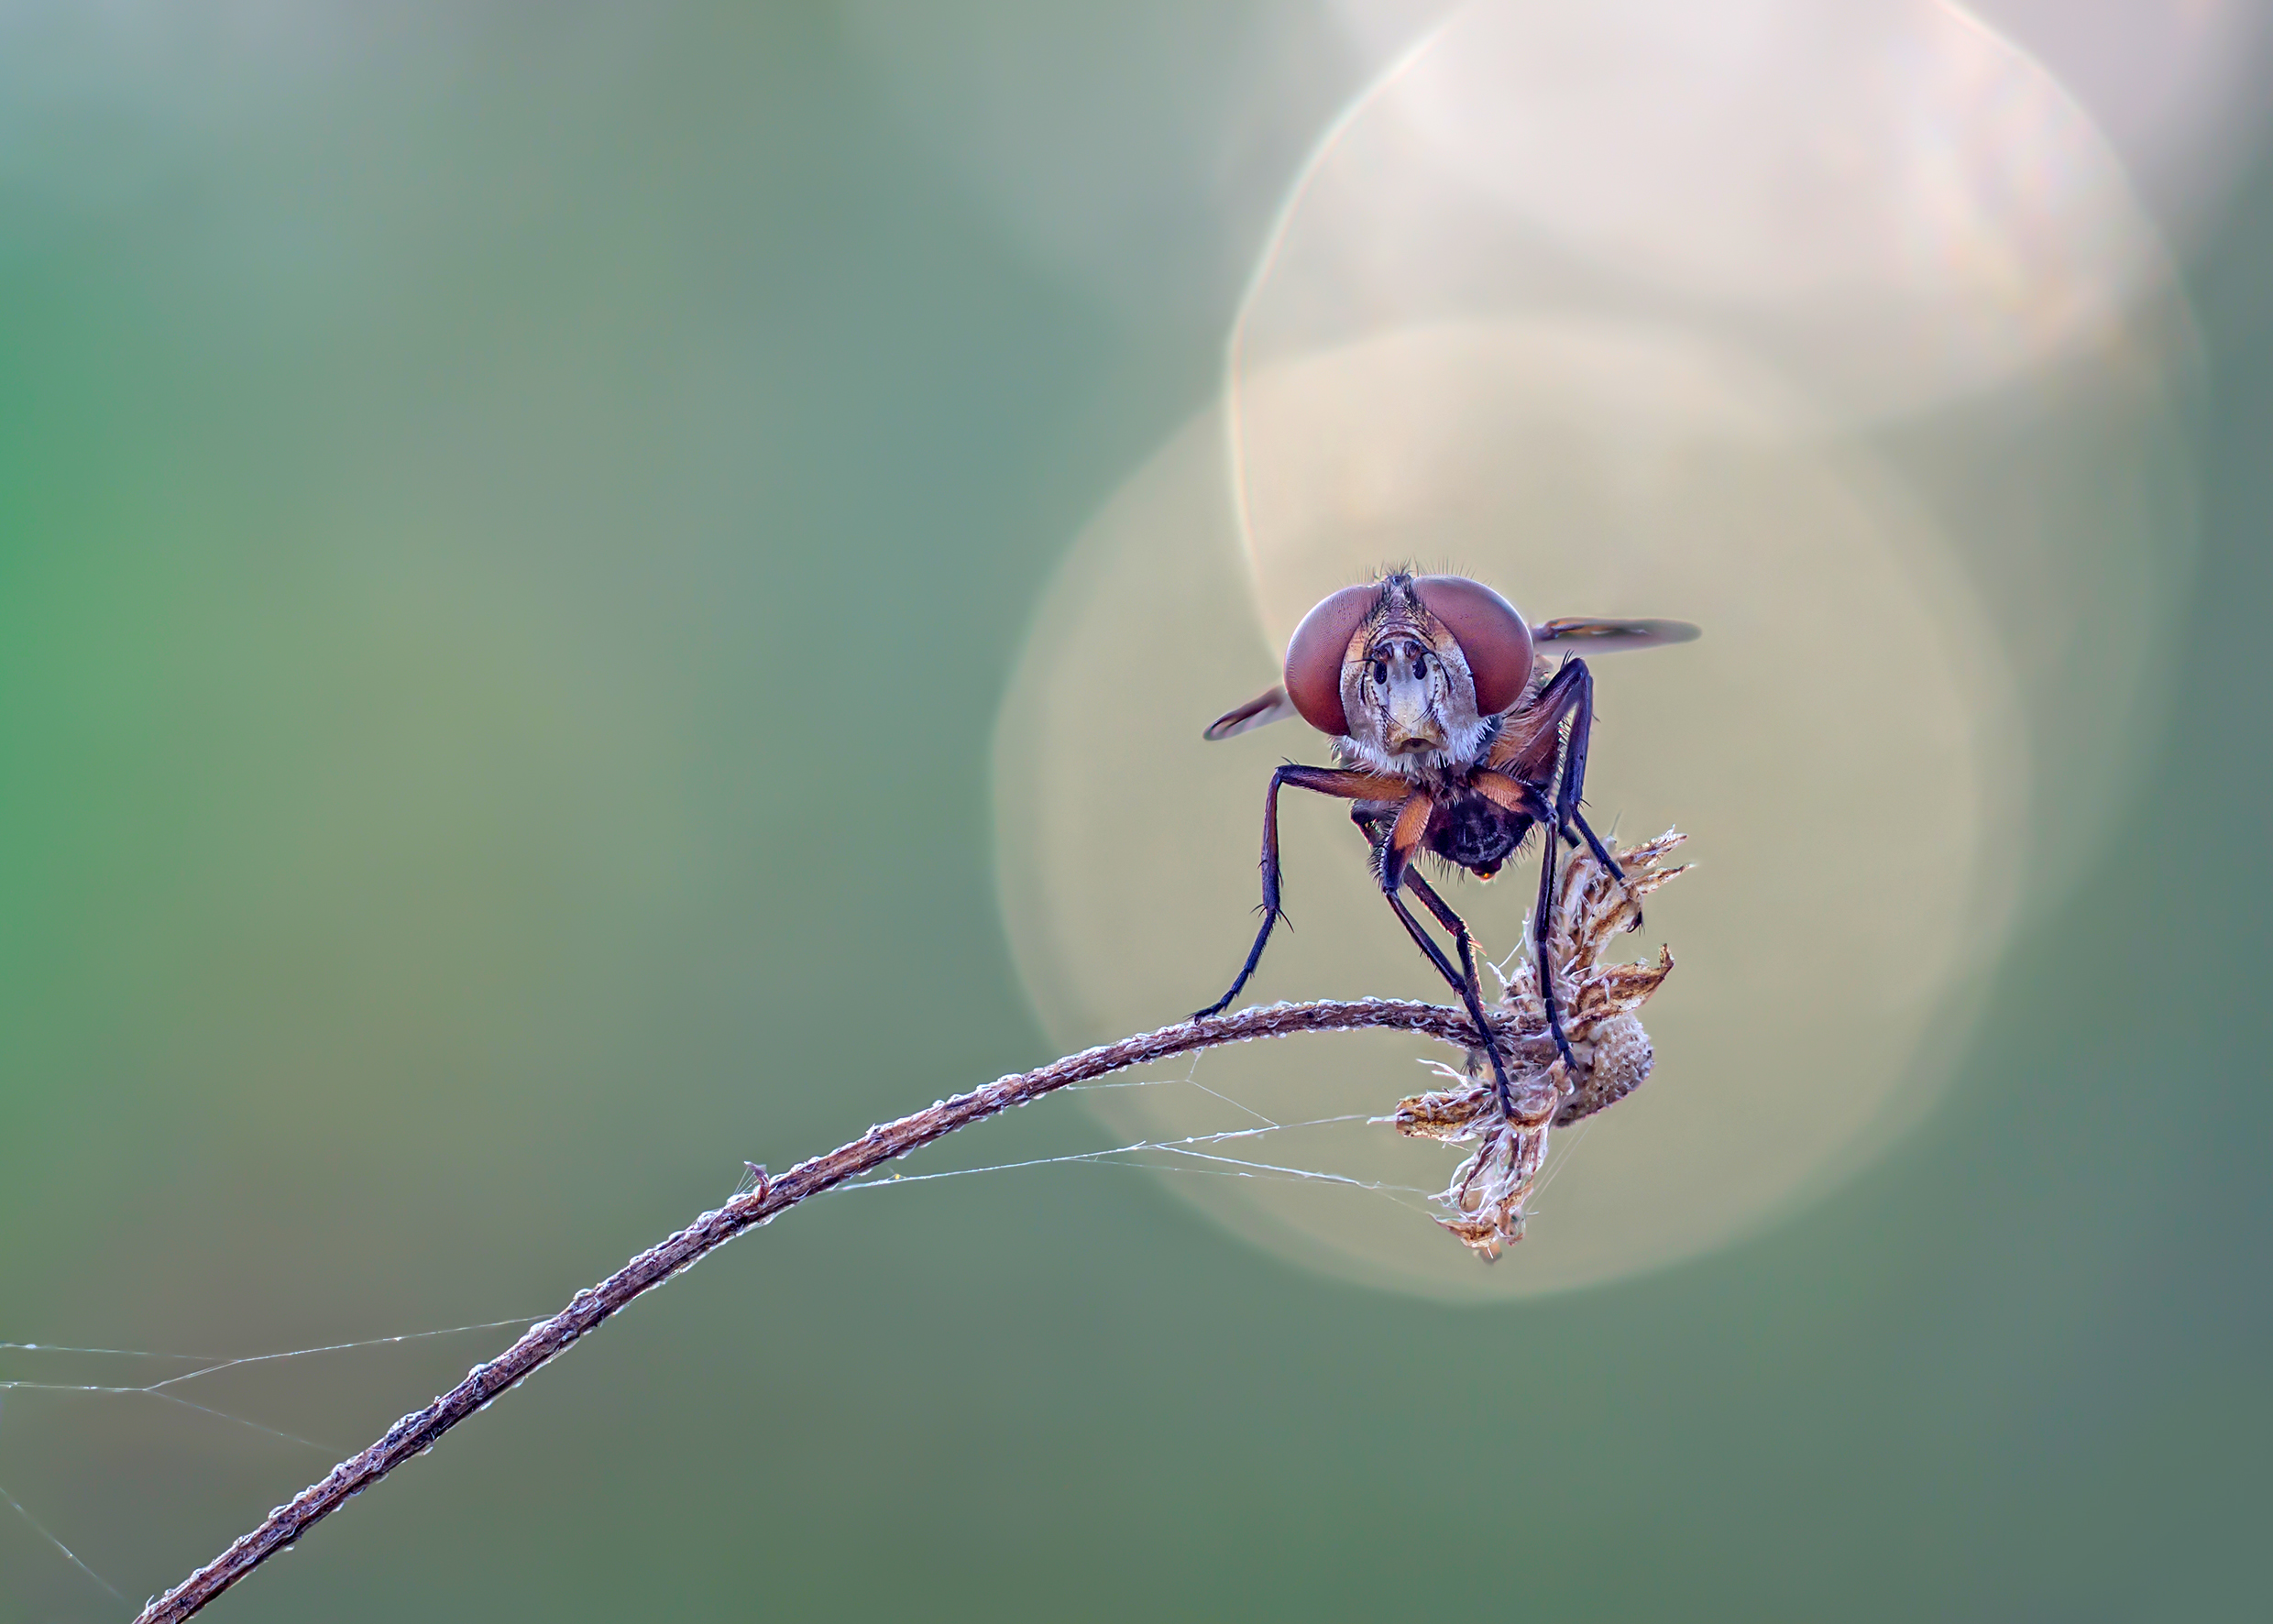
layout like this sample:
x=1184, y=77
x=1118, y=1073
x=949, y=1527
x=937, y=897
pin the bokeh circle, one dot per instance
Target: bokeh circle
x=1931, y=511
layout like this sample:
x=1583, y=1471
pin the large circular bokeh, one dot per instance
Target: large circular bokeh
x=1931, y=511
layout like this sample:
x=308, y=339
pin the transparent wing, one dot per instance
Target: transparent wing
x=1580, y=635
x=1269, y=705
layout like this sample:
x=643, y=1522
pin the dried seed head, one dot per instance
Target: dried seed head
x=1488, y=1190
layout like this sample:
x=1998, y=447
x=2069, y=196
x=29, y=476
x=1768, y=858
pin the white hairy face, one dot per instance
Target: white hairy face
x=1410, y=699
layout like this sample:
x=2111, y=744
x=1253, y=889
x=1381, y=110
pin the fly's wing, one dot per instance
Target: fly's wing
x=1578, y=635
x=1269, y=705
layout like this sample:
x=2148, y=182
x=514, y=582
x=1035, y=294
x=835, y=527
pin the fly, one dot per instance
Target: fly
x=1456, y=735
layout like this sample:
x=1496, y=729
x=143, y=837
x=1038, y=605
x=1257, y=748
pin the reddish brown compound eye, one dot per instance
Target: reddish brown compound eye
x=1315, y=657
x=1492, y=637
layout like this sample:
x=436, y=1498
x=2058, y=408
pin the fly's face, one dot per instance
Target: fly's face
x=1407, y=692
x=1404, y=703
x=1403, y=690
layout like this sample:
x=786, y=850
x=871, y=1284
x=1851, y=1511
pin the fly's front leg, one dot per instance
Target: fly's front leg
x=1271, y=910
x=1470, y=995
x=1533, y=750
x=1324, y=780
x=1405, y=839
x=1455, y=926
x=1573, y=786
x=1370, y=821
x=1471, y=985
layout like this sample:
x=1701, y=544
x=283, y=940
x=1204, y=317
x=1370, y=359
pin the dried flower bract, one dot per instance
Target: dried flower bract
x=1487, y=1191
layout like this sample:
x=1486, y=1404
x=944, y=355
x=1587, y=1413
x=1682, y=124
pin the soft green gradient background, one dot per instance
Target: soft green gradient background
x=512, y=539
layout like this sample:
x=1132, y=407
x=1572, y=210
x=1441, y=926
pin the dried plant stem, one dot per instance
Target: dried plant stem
x=417, y=1432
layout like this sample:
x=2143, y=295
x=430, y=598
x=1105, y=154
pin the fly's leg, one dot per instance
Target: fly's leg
x=1370, y=823
x=1539, y=751
x=1573, y=784
x=1324, y=780
x=1465, y=985
x=1617, y=868
x=1534, y=751
x=1543, y=921
x=1471, y=985
x=1455, y=926
x=1396, y=852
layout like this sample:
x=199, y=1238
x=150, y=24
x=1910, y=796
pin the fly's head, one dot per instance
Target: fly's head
x=1408, y=671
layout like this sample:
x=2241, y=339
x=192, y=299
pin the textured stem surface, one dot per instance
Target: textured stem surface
x=545, y=1340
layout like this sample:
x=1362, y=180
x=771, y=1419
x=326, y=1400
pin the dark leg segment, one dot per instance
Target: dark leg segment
x=1543, y=919
x=1574, y=785
x=1465, y=985
x=1463, y=980
x=1325, y=781
x=1471, y=985
x=1594, y=844
x=1539, y=754
x=1374, y=829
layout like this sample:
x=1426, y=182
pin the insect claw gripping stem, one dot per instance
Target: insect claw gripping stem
x=1272, y=915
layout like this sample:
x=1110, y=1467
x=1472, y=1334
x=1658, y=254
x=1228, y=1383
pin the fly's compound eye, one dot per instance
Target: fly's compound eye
x=1315, y=657
x=1492, y=637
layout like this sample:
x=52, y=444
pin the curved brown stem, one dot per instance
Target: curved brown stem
x=547, y=1339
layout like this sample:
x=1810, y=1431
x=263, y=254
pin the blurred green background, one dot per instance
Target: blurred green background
x=513, y=532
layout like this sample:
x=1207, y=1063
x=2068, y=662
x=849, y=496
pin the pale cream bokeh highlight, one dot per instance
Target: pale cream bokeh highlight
x=1629, y=312
x=1885, y=198
x=1826, y=741
x=1887, y=206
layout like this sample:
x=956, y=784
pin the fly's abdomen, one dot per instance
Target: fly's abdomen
x=1477, y=835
